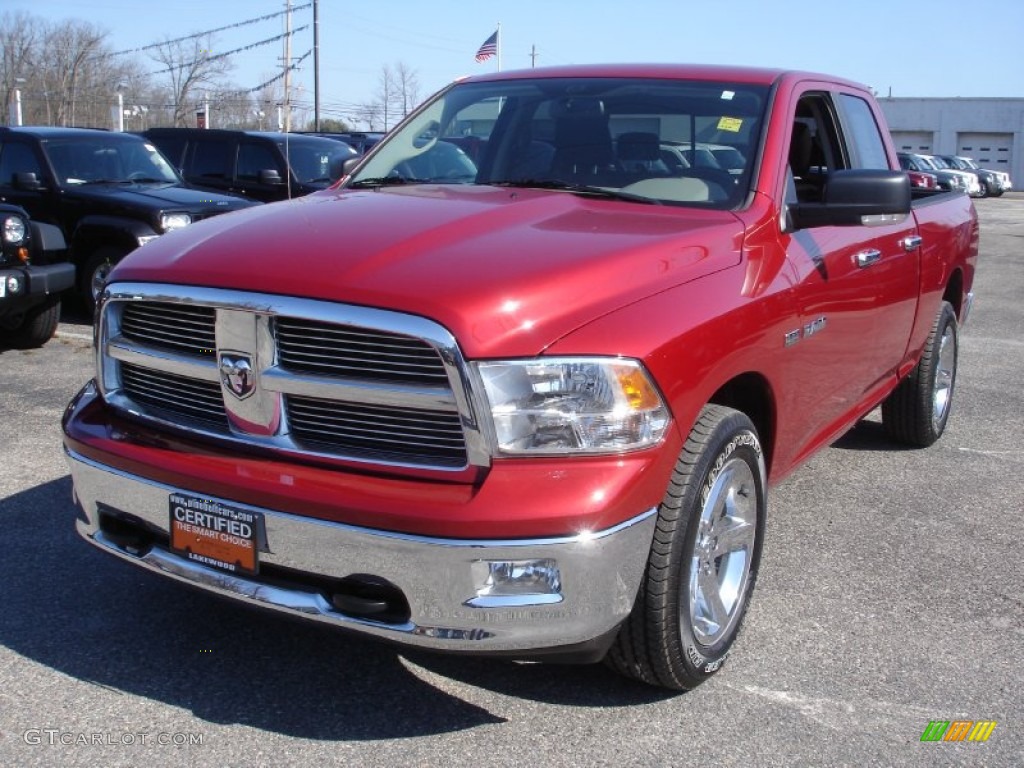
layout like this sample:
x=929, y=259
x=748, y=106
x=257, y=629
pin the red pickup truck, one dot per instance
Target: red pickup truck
x=527, y=400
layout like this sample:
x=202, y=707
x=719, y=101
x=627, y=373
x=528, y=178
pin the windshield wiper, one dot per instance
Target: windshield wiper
x=383, y=181
x=579, y=189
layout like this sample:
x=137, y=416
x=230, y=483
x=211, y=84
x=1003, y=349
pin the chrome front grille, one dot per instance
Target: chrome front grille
x=307, y=346
x=389, y=434
x=175, y=395
x=180, y=327
x=303, y=376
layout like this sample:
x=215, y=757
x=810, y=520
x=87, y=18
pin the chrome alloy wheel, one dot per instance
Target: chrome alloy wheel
x=722, y=552
x=945, y=374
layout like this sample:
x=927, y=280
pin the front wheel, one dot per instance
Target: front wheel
x=703, y=560
x=94, y=275
x=917, y=410
x=38, y=325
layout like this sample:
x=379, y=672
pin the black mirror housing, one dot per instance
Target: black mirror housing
x=852, y=194
x=27, y=181
x=270, y=176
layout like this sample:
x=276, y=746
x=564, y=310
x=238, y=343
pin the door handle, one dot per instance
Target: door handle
x=911, y=242
x=868, y=257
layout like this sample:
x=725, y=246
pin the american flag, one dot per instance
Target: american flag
x=489, y=48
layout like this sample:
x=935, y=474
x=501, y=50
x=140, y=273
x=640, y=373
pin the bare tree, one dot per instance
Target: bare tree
x=370, y=113
x=407, y=87
x=189, y=65
x=386, y=93
x=72, y=47
x=398, y=93
x=64, y=70
x=18, y=51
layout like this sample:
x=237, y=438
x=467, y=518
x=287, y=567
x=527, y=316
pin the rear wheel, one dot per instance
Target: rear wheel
x=704, y=558
x=917, y=410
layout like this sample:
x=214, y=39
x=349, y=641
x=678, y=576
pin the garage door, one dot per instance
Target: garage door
x=913, y=141
x=991, y=150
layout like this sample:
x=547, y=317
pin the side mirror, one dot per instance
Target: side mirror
x=855, y=197
x=28, y=181
x=349, y=165
x=270, y=176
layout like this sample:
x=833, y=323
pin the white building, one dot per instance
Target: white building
x=990, y=130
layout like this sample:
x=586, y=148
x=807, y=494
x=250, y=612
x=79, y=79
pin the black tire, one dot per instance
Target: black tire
x=93, y=273
x=918, y=409
x=667, y=640
x=986, y=190
x=38, y=325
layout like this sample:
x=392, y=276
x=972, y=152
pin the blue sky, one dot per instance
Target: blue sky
x=934, y=48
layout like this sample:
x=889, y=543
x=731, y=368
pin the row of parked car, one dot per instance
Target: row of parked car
x=953, y=172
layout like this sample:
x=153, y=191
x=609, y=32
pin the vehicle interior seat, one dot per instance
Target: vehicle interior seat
x=639, y=153
x=801, y=159
x=584, y=152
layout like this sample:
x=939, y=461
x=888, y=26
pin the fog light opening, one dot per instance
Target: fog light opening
x=517, y=578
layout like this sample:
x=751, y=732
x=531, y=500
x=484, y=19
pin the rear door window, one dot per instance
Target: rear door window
x=211, y=160
x=865, y=136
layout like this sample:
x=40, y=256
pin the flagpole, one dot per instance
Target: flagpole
x=499, y=46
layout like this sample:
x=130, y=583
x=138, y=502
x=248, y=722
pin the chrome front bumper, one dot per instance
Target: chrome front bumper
x=600, y=571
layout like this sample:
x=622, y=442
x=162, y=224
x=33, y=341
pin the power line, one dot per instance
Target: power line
x=210, y=32
x=230, y=53
x=274, y=79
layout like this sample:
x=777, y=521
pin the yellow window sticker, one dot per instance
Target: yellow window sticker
x=731, y=124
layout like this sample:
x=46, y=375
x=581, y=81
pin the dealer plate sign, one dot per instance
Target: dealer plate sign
x=213, y=533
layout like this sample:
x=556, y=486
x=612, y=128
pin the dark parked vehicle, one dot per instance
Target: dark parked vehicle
x=993, y=183
x=255, y=164
x=361, y=141
x=108, y=193
x=32, y=275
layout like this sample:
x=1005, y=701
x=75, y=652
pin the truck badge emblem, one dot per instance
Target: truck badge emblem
x=236, y=374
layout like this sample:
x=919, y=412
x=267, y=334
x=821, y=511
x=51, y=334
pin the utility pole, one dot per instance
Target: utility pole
x=287, y=66
x=316, y=65
x=533, y=56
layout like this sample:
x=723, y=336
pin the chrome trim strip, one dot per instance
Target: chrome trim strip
x=600, y=571
x=370, y=393
x=124, y=351
x=461, y=397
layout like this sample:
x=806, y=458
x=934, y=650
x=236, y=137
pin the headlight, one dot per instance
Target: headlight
x=14, y=230
x=169, y=221
x=572, y=405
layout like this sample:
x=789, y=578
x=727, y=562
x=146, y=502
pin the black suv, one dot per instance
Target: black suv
x=108, y=193
x=361, y=141
x=253, y=163
x=32, y=276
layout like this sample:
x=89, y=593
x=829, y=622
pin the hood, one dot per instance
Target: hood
x=159, y=197
x=508, y=272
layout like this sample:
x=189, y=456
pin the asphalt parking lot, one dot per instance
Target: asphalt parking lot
x=890, y=596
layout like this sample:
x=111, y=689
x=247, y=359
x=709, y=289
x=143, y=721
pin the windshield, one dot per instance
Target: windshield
x=114, y=159
x=660, y=141
x=316, y=160
x=938, y=162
